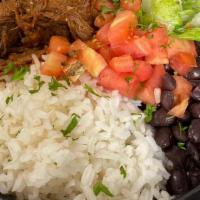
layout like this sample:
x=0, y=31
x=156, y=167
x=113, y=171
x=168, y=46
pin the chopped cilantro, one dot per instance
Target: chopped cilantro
x=19, y=73
x=9, y=99
x=71, y=126
x=54, y=85
x=40, y=84
x=128, y=79
x=10, y=67
x=137, y=113
x=182, y=128
x=150, y=109
x=181, y=145
x=100, y=187
x=123, y=171
x=106, y=10
x=92, y=91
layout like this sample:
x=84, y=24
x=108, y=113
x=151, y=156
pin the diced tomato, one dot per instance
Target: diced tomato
x=99, y=4
x=122, y=64
x=156, y=79
x=142, y=70
x=103, y=19
x=183, y=89
x=93, y=61
x=158, y=37
x=105, y=51
x=179, y=110
x=53, y=64
x=133, y=5
x=146, y=95
x=59, y=44
x=183, y=62
x=158, y=56
x=121, y=27
x=127, y=84
x=179, y=45
x=137, y=47
x=102, y=34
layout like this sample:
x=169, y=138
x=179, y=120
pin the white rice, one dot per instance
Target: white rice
x=38, y=162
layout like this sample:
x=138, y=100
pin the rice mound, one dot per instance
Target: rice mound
x=38, y=162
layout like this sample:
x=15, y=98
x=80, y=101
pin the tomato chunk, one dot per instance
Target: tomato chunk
x=131, y=5
x=59, y=44
x=142, y=70
x=53, y=64
x=183, y=89
x=106, y=52
x=121, y=27
x=122, y=64
x=158, y=56
x=146, y=95
x=126, y=83
x=183, y=62
x=102, y=34
x=179, y=45
x=93, y=61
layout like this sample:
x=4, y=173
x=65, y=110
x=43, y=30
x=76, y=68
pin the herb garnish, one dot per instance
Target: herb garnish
x=106, y=10
x=150, y=109
x=122, y=171
x=128, y=79
x=54, y=85
x=92, y=91
x=10, y=67
x=181, y=145
x=72, y=125
x=9, y=99
x=182, y=128
x=40, y=84
x=100, y=187
x=20, y=72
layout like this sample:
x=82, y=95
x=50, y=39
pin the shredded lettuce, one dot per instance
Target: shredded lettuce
x=177, y=15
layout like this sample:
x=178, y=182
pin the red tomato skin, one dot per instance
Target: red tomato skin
x=102, y=34
x=156, y=79
x=158, y=56
x=137, y=47
x=176, y=45
x=183, y=63
x=142, y=70
x=53, y=64
x=105, y=51
x=122, y=64
x=131, y=5
x=158, y=37
x=112, y=80
x=121, y=27
x=146, y=95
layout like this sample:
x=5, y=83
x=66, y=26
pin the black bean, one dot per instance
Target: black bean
x=193, y=151
x=168, y=82
x=194, y=74
x=163, y=137
x=177, y=156
x=194, y=131
x=194, y=177
x=196, y=93
x=178, y=182
x=198, y=60
x=167, y=100
x=161, y=118
x=179, y=133
x=195, y=110
x=186, y=117
x=169, y=69
x=190, y=164
x=197, y=44
x=194, y=82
